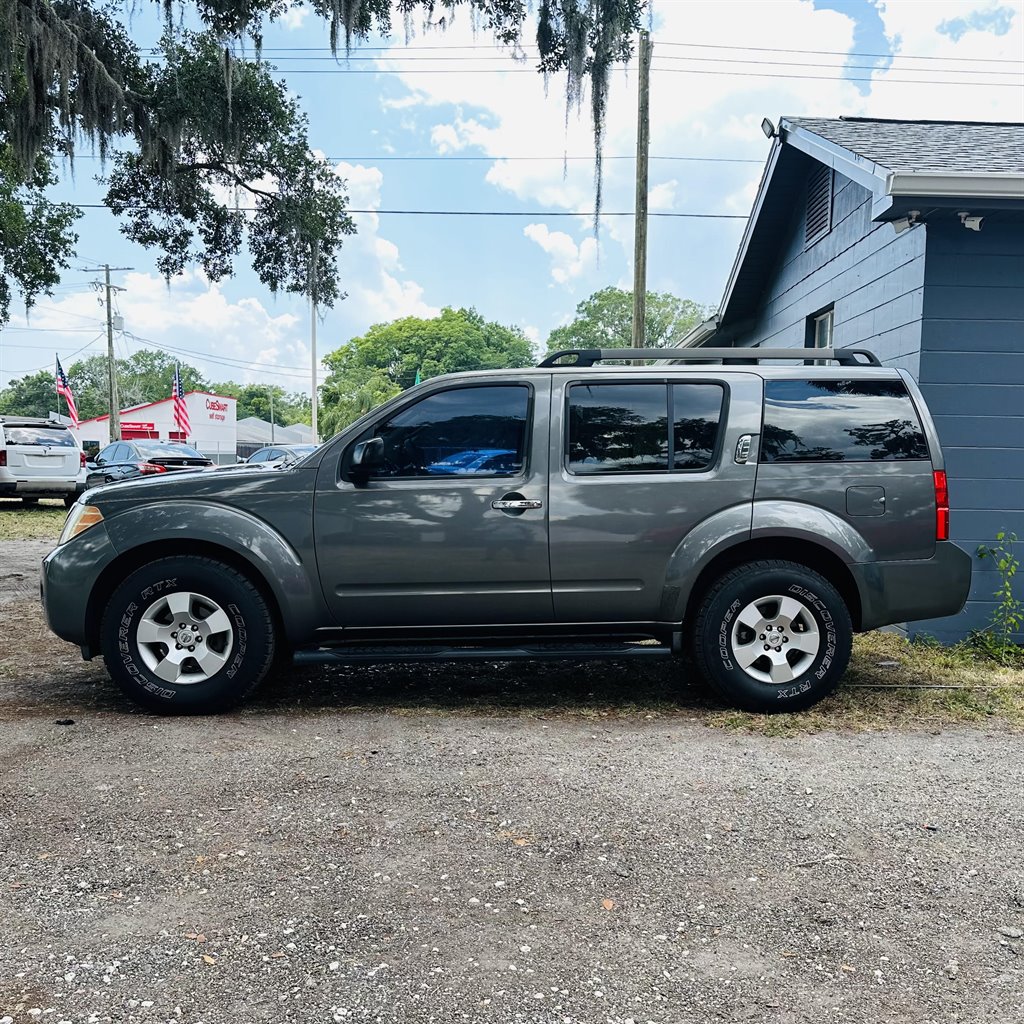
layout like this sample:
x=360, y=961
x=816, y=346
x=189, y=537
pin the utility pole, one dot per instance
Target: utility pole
x=115, y=407
x=312, y=331
x=271, y=389
x=643, y=144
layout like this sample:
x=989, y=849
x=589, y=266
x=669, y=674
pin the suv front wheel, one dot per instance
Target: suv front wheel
x=772, y=636
x=187, y=635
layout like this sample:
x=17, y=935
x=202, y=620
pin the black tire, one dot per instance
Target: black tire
x=30, y=501
x=810, y=636
x=220, y=675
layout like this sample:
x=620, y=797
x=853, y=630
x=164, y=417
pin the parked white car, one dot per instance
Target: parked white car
x=39, y=459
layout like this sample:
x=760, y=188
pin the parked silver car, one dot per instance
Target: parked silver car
x=39, y=458
x=750, y=515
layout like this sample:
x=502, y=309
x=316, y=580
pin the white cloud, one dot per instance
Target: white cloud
x=294, y=18
x=663, y=195
x=568, y=260
x=371, y=270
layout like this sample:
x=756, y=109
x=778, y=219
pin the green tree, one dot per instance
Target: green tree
x=32, y=395
x=209, y=117
x=389, y=357
x=36, y=236
x=254, y=400
x=605, y=320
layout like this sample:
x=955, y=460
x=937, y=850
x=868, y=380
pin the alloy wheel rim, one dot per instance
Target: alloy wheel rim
x=184, y=638
x=775, y=639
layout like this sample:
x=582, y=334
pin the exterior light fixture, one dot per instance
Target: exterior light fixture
x=768, y=128
x=906, y=222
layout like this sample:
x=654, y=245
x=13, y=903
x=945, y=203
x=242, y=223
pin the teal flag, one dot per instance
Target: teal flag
x=417, y=377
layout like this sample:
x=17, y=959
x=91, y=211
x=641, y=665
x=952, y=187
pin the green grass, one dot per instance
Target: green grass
x=31, y=522
x=880, y=691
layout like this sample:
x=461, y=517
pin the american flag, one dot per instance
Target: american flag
x=64, y=388
x=180, y=409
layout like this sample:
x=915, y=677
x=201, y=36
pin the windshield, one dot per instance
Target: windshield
x=54, y=436
x=168, y=451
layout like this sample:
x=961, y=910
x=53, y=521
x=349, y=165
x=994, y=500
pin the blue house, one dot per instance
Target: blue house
x=907, y=238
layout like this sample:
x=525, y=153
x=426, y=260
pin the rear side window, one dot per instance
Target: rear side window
x=840, y=421
x=642, y=428
x=57, y=437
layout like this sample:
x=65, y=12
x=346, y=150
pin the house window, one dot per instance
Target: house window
x=819, y=329
x=818, y=221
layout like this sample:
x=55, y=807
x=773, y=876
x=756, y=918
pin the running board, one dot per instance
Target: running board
x=464, y=652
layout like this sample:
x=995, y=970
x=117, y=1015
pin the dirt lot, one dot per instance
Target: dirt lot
x=488, y=844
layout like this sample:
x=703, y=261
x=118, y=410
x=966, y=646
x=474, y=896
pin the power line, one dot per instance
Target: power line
x=341, y=61
x=530, y=51
x=839, y=53
x=466, y=213
x=683, y=71
x=274, y=369
x=455, y=159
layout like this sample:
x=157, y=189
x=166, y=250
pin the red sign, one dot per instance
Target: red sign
x=125, y=425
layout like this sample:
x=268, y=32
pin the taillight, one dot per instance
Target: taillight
x=941, y=505
x=3, y=457
x=145, y=468
x=81, y=460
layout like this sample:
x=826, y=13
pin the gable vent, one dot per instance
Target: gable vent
x=819, y=204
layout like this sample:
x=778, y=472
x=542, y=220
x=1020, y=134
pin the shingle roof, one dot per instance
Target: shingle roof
x=942, y=146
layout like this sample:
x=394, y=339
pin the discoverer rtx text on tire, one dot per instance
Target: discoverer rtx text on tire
x=772, y=636
x=187, y=635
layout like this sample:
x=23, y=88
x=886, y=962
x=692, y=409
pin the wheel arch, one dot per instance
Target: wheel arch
x=135, y=558
x=793, y=549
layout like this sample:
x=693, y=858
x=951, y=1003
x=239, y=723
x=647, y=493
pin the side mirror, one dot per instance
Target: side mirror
x=366, y=456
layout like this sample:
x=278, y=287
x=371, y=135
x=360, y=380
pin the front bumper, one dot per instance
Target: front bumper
x=914, y=589
x=67, y=581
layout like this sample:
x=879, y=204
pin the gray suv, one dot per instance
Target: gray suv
x=748, y=513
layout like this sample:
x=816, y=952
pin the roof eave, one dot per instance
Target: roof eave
x=699, y=334
x=748, y=231
x=956, y=184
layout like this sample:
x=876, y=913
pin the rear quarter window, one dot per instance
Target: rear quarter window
x=840, y=421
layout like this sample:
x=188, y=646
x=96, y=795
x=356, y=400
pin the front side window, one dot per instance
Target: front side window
x=474, y=431
x=624, y=428
x=840, y=421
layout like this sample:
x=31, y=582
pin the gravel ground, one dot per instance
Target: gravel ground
x=315, y=859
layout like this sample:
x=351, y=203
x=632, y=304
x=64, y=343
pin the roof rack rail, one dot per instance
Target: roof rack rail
x=727, y=356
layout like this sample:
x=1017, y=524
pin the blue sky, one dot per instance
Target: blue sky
x=720, y=68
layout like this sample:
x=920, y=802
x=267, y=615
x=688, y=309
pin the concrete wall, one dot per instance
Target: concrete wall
x=972, y=376
x=873, y=276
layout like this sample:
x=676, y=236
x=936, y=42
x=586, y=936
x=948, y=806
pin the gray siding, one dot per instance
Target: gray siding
x=873, y=276
x=972, y=376
x=947, y=304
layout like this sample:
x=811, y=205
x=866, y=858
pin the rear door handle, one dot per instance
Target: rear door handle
x=516, y=504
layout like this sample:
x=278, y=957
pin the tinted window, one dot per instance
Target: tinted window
x=696, y=411
x=155, y=450
x=260, y=456
x=478, y=431
x=107, y=454
x=623, y=428
x=59, y=437
x=840, y=421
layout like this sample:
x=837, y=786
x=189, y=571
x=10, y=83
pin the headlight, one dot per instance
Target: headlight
x=79, y=519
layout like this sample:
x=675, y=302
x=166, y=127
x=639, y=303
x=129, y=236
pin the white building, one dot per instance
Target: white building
x=212, y=419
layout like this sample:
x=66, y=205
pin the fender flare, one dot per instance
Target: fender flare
x=251, y=540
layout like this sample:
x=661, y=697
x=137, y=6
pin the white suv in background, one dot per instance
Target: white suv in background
x=39, y=459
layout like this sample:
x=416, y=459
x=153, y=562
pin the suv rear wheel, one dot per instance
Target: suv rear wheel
x=187, y=636
x=773, y=636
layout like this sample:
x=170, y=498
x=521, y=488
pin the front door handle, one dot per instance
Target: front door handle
x=516, y=504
